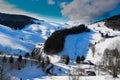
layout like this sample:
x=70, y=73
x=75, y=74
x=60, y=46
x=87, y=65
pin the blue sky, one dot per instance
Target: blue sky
x=114, y=11
x=66, y=10
x=41, y=8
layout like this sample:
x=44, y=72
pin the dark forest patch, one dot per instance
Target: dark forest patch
x=55, y=43
x=113, y=22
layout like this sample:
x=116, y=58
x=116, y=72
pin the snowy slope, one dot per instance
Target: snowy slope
x=21, y=41
x=102, y=43
x=77, y=44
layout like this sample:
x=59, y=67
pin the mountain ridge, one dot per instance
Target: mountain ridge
x=15, y=21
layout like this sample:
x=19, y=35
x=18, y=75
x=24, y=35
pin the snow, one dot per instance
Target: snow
x=110, y=43
x=67, y=78
x=77, y=44
x=28, y=73
x=8, y=38
x=25, y=40
x=22, y=41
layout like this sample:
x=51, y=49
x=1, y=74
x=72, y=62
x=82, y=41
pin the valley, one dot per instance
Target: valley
x=31, y=62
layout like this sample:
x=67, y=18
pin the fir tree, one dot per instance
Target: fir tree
x=4, y=59
x=11, y=60
x=82, y=58
x=78, y=60
x=19, y=62
x=27, y=55
x=67, y=60
x=20, y=58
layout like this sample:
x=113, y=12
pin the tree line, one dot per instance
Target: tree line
x=8, y=63
x=113, y=22
x=111, y=61
x=55, y=43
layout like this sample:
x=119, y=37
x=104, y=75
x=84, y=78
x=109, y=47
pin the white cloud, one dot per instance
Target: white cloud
x=86, y=10
x=63, y=4
x=11, y=9
x=51, y=2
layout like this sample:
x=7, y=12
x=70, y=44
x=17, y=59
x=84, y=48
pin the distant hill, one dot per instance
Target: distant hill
x=113, y=22
x=15, y=21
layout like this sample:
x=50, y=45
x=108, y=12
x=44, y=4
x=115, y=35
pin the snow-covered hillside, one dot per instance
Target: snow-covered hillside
x=80, y=45
x=101, y=43
x=77, y=45
x=24, y=40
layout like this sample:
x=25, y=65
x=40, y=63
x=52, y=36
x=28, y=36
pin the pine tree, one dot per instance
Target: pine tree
x=4, y=59
x=20, y=58
x=78, y=60
x=27, y=55
x=19, y=62
x=47, y=60
x=33, y=53
x=11, y=60
x=82, y=58
x=67, y=60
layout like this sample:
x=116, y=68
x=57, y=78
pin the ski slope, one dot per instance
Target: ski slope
x=77, y=45
x=24, y=40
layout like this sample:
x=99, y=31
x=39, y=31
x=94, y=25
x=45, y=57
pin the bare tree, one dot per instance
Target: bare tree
x=112, y=59
x=19, y=62
x=116, y=57
x=3, y=72
x=4, y=69
x=93, y=50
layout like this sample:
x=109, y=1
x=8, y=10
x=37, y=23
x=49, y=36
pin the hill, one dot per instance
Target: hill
x=15, y=21
x=113, y=22
x=66, y=44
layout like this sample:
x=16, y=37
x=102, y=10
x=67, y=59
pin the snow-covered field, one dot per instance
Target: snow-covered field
x=102, y=43
x=22, y=41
